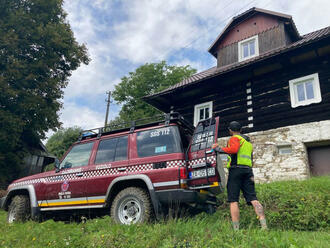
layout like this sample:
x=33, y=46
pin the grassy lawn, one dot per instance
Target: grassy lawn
x=297, y=212
x=200, y=231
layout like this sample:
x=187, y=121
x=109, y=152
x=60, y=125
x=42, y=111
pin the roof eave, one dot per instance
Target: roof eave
x=239, y=66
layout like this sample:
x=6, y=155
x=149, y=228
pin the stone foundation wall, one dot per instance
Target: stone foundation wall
x=269, y=164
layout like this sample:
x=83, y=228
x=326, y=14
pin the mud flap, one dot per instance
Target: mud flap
x=222, y=173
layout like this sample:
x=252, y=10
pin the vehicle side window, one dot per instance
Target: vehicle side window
x=158, y=141
x=121, y=149
x=110, y=150
x=78, y=156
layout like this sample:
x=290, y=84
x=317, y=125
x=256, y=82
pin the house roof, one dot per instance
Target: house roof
x=215, y=71
x=247, y=14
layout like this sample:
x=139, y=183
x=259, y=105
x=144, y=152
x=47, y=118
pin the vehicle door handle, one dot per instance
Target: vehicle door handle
x=121, y=169
x=79, y=174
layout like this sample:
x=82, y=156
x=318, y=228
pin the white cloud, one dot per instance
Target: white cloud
x=151, y=30
x=198, y=65
x=75, y=115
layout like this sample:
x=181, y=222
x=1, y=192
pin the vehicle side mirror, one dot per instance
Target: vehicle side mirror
x=57, y=165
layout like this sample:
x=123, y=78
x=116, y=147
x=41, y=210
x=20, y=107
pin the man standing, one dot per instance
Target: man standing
x=240, y=175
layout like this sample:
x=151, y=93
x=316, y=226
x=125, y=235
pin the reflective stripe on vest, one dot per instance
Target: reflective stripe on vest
x=244, y=154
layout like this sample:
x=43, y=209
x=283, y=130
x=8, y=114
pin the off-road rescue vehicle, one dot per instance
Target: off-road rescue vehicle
x=132, y=172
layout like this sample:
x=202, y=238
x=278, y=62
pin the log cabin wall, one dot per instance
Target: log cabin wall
x=271, y=97
x=263, y=102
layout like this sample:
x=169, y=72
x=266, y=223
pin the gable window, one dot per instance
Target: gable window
x=202, y=111
x=248, y=48
x=305, y=90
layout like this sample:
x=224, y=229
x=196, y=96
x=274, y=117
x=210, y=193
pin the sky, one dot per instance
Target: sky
x=123, y=35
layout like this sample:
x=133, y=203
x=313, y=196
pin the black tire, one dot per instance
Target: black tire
x=130, y=206
x=211, y=209
x=19, y=209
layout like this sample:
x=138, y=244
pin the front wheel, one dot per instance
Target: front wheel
x=131, y=205
x=19, y=209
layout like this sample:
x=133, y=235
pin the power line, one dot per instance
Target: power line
x=224, y=20
x=216, y=10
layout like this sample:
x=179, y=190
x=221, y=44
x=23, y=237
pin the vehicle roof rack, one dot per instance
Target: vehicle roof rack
x=161, y=119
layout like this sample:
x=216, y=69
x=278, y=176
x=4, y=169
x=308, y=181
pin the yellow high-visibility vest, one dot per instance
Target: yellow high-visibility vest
x=244, y=154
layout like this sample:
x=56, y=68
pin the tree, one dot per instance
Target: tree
x=38, y=53
x=147, y=79
x=60, y=141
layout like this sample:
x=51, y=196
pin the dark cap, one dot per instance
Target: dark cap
x=235, y=126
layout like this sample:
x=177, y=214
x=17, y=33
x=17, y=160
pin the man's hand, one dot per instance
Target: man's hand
x=216, y=148
x=215, y=145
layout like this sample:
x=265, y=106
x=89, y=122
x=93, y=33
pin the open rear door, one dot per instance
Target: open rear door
x=205, y=170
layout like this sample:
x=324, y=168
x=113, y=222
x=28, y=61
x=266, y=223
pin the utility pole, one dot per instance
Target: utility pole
x=108, y=101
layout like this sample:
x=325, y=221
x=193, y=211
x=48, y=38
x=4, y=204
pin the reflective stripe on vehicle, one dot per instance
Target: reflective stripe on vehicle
x=195, y=162
x=71, y=207
x=71, y=201
x=168, y=183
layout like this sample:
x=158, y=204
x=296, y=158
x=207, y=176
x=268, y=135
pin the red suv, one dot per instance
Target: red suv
x=133, y=173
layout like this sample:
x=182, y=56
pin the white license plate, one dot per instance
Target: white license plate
x=202, y=173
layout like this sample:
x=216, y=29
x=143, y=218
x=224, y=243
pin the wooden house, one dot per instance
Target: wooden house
x=274, y=81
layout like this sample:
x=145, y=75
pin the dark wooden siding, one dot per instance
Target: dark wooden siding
x=270, y=96
x=248, y=27
x=228, y=55
x=288, y=38
x=272, y=39
x=268, y=40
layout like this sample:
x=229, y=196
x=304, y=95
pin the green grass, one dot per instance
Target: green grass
x=301, y=202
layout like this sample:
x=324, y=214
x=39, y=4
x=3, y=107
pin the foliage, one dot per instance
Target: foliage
x=60, y=141
x=145, y=80
x=199, y=231
x=38, y=53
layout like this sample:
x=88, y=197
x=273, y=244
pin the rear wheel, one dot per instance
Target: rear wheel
x=131, y=205
x=19, y=209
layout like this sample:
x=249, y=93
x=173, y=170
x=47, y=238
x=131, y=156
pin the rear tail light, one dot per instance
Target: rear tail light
x=183, y=173
x=183, y=177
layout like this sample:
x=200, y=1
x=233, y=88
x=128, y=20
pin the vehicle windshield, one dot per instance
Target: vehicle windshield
x=204, y=136
x=159, y=141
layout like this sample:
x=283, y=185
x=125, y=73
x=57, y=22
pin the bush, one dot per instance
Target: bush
x=295, y=205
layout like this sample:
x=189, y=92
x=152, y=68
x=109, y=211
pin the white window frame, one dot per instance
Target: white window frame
x=285, y=149
x=316, y=88
x=198, y=107
x=240, y=48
